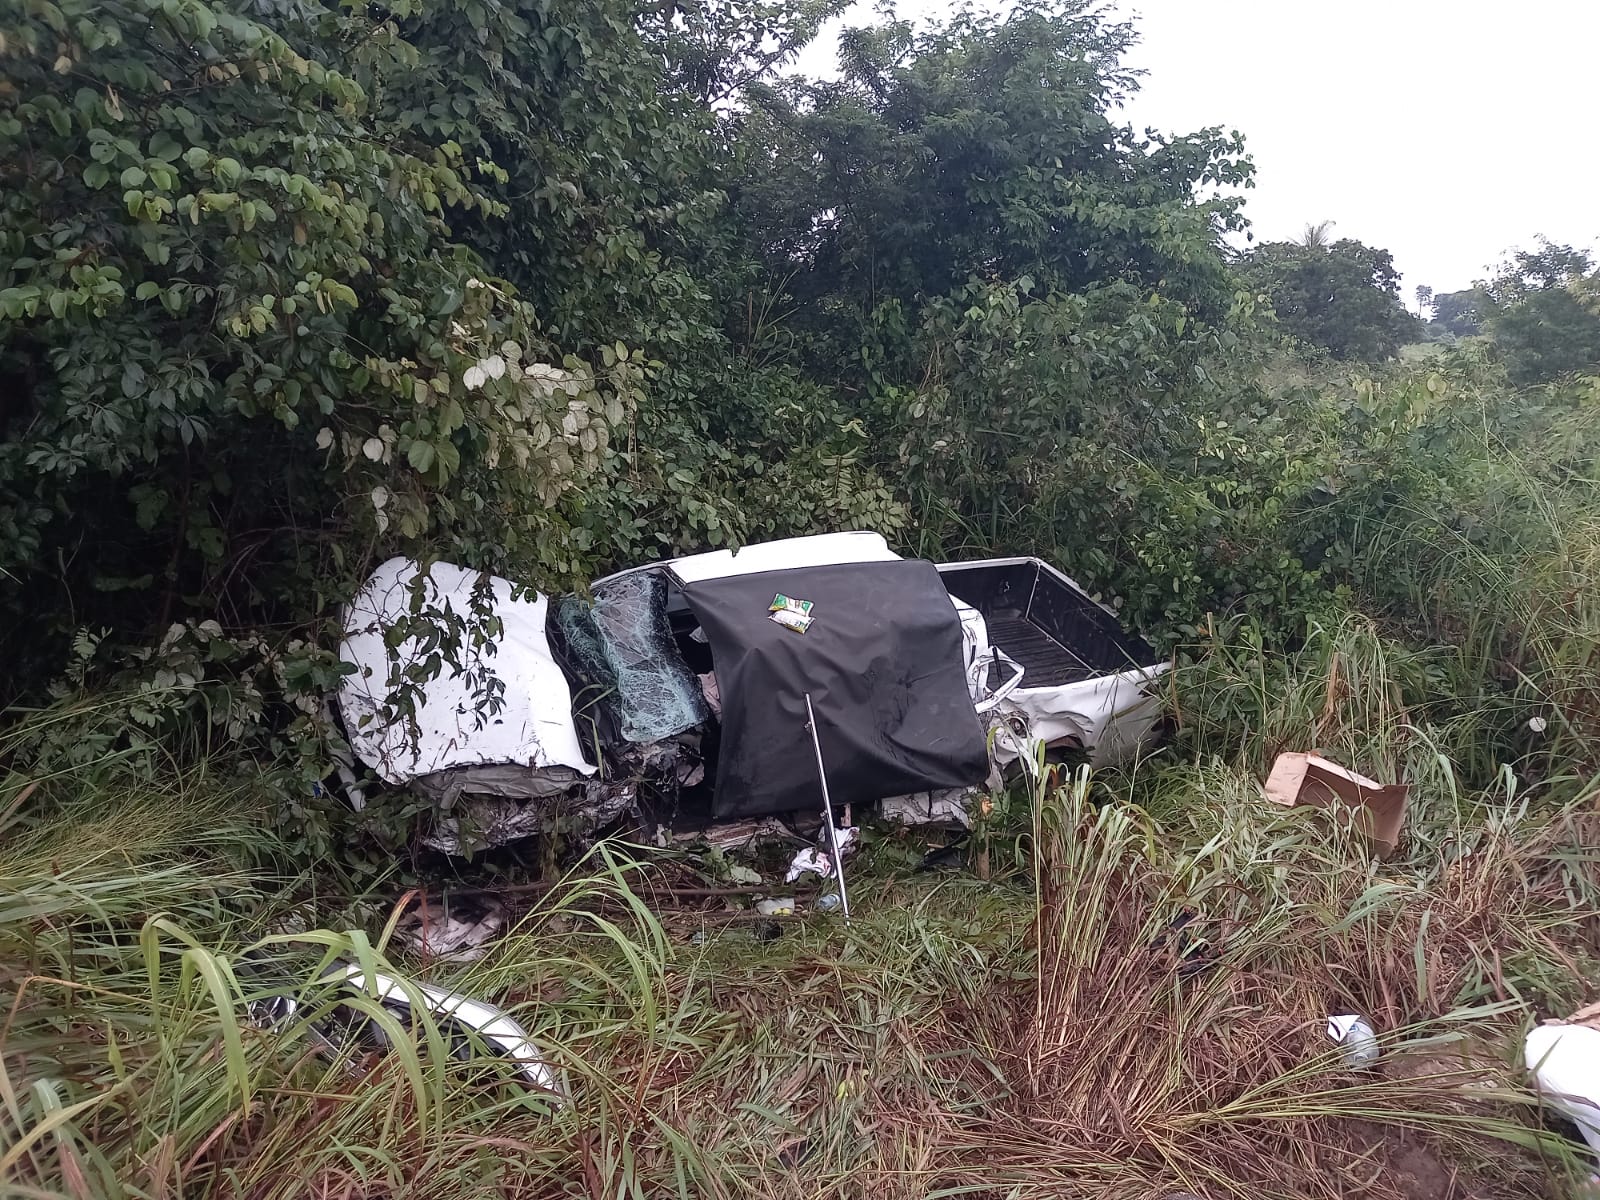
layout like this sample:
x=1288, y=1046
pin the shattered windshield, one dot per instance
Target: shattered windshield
x=624, y=642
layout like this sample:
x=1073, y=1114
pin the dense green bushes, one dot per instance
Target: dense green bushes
x=245, y=344
x=547, y=288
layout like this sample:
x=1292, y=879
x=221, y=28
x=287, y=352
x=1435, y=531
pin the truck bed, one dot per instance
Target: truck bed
x=1045, y=622
x=1045, y=661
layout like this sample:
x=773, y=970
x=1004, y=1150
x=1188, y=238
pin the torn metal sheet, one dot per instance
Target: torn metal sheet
x=1061, y=669
x=483, y=807
x=462, y=1017
x=739, y=835
x=1110, y=718
x=534, y=725
x=453, y=931
x=508, y=781
x=946, y=808
x=482, y=822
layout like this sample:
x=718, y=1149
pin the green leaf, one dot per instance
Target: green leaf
x=133, y=177
x=451, y=417
x=147, y=290
x=449, y=458
x=96, y=175
x=165, y=147
x=132, y=380
x=420, y=455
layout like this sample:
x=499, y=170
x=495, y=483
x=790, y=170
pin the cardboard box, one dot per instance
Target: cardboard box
x=1376, y=811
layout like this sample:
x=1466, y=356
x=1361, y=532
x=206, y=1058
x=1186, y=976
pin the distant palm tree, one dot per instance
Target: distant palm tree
x=1318, y=236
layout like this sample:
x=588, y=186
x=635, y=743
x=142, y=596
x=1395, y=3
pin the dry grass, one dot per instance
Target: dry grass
x=1046, y=1034
x=1133, y=1006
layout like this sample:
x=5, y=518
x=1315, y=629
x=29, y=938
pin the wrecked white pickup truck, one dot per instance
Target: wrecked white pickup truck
x=679, y=692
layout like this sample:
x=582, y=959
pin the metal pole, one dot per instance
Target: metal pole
x=827, y=810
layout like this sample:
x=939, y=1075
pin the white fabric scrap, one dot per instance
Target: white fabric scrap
x=809, y=859
x=818, y=859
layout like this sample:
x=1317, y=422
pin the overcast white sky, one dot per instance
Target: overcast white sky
x=1447, y=131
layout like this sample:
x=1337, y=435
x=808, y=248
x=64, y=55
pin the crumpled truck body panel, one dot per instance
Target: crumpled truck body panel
x=1111, y=718
x=534, y=727
x=1044, y=664
x=1061, y=669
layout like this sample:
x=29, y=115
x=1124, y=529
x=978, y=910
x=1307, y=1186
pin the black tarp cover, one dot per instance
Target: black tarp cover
x=882, y=661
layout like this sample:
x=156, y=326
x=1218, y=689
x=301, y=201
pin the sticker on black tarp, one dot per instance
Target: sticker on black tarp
x=791, y=613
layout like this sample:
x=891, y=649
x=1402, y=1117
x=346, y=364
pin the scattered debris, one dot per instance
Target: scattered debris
x=1187, y=946
x=778, y=906
x=738, y=835
x=462, y=1020
x=809, y=860
x=1375, y=810
x=790, y=613
x=470, y=1027
x=1588, y=1015
x=708, y=687
x=1356, y=1037
x=819, y=861
x=455, y=930
x=828, y=902
x=1564, y=1057
x=479, y=821
x=946, y=809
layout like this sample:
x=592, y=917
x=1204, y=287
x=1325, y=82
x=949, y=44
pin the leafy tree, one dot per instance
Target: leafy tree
x=1458, y=313
x=1543, y=311
x=978, y=150
x=1343, y=296
x=1549, y=334
x=283, y=293
x=242, y=349
x=1543, y=269
x=715, y=49
x=959, y=237
x=1318, y=236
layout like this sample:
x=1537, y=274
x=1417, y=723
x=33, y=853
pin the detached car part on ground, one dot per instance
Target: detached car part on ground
x=470, y=1029
x=678, y=695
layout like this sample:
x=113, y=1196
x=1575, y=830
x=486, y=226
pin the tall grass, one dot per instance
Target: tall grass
x=1048, y=1033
